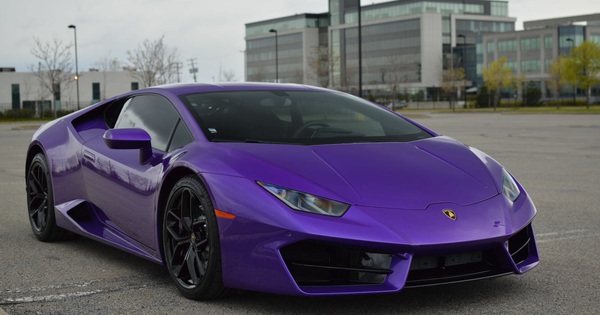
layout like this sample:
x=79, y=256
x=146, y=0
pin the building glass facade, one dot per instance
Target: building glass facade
x=406, y=44
x=387, y=50
x=403, y=8
x=285, y=48
x=531, y=53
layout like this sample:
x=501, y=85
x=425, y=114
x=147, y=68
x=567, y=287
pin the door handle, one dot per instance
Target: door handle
x=89, y=155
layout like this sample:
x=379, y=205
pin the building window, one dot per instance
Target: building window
x=507, y=45
x=512, y=65
x=548, y=65
x=490, y=47
x=96, y=91
x=16, y=96
x=135, y=86
x=530, y=43
x=499, y=8
x=530, y=66
x=548, y=42
x=57, y=92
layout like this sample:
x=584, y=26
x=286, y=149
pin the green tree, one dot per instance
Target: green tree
x=497, y=76
x=582, y=67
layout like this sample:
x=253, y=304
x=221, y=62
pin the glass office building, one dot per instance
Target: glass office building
x=286, y=49
x=406, y=44
x=531, y=52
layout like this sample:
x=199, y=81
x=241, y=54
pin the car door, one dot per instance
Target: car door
x=120, y=186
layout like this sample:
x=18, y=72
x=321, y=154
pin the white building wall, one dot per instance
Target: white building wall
x=432, y=55
x=111, y=84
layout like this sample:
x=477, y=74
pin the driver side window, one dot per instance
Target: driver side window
x=153, y=113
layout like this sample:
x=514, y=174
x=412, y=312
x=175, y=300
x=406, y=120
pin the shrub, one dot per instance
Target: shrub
x=533, y=95
x=24, y=113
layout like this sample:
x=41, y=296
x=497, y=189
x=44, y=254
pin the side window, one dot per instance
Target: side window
x=181, y=137
x=153, y=113
x=112, y=112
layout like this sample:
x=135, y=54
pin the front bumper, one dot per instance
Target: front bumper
x=371, y=250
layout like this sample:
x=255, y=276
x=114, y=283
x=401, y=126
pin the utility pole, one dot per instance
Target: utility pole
x=360, y=92
x=177, y=67
x=76, y=65
x=193, y=69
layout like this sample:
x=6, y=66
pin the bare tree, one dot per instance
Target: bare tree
x=556, y=80
x=229, y=76
x=319, y=63
x=347, y=79
x=54, y=66
x=107, y=64
x=153, y=63
x=298, y=76
x=393, y=77
x=452, y=80
x=259, y=76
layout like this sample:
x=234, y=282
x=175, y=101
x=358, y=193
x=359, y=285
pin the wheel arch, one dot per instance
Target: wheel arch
x=168, y=182
x=33, y=150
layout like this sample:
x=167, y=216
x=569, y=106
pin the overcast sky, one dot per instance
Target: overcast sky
x=212, y=31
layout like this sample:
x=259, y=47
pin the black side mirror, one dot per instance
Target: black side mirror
x=130, y=138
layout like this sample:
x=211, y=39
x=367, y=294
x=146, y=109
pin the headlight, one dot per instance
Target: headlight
x=509, y=186
x=306, y=202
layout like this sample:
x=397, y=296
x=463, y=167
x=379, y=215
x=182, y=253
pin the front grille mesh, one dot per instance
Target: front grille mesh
x=318, y=264
x=429, y=270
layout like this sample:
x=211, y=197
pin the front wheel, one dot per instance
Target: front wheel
x=191, y=245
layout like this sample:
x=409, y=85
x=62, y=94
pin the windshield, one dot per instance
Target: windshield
x=296, y=117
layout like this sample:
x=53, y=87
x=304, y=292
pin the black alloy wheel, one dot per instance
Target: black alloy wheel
x=192, y=251
x=40, y=201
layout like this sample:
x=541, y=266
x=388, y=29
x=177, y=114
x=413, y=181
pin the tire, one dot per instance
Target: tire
x=40, y=201
x=190, y=238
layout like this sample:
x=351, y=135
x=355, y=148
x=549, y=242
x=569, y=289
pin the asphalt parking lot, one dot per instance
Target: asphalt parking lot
x=555, y=157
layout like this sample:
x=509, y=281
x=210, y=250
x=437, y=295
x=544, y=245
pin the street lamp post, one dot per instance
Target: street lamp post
x=574, y=90
x=464, y=65
x=76, y=63
x=360, y=74
x=276, y=56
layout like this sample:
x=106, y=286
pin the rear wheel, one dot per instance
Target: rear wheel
x=40, y=201
x=192, y=250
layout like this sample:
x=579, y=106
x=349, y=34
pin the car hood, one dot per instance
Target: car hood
x=410, y=175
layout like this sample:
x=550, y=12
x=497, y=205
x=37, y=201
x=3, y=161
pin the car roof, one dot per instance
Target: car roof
x=189, y=88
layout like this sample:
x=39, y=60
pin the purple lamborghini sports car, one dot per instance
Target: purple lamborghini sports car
x=277, y=188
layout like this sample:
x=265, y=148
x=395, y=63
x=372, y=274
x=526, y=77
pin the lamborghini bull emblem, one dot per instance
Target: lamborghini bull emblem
x=450, y=214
